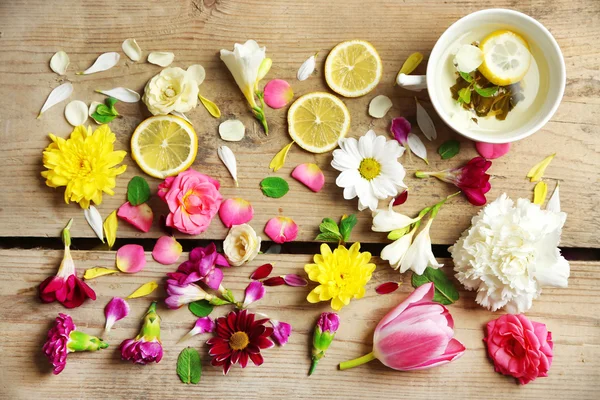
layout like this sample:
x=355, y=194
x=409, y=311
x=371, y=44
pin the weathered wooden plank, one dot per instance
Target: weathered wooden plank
x=571, y=314
x=195, y=30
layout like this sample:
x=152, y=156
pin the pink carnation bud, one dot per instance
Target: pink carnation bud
x=492, y=150
x=202, y=325
x=235, y=212
x=146, y=346
x=309, y=175
x=400, y=128
x=254, y=292
x=401, y=198
x=115, y=310
x=281, y=332
x=140, y=216
x=294, y=280
x=387, y=287
x=131, y=258
x=274, y=281
x=166, y=250
x=281, y=229
x=262, y=272
x=278, y=93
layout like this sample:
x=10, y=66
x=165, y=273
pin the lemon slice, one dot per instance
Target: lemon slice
x=164, y=145
x=353, y=68
x=506, y=57
x=317, y=120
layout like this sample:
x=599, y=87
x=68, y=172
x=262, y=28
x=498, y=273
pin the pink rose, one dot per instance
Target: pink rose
x=193, y=200
x=519, y=347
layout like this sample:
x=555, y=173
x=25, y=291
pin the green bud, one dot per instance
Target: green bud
x=83, y=342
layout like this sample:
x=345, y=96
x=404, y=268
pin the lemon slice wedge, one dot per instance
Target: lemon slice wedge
x=164, y=145
x=506, y=57
x=317, y=120
x=353, y=68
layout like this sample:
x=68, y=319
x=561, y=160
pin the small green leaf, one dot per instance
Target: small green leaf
x=329, y=237
x=201, y=308
x=449, y=149
x=103, y=119
x=346, y=226
x=104, y=110
x=110, y=103
x=329, y=225
x=274, y=187
x=486, y=92
x=445, y=292
x=138, y=191
x=467, y=77
x=189, y=366
x=464, y=95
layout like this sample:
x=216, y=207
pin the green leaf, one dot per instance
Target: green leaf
x=274, y=187
x=346, y=226
x=138, y=191
x=445, y=292
x=467, y=77
x=104, y=110
x=486, y=92
x=103, y=119
x=464, y=95
x=189, y=367
x=201, y=308
x=329, y=237
x=110, y=103
x=449, y=149
x=329, y=225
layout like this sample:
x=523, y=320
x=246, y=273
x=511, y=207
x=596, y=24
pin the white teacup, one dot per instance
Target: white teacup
x=440, y=77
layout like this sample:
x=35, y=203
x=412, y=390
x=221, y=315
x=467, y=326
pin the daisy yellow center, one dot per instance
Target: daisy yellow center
x=239, y=341
x=369, y=168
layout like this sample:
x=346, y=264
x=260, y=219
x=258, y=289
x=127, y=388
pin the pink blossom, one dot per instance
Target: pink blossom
x=278, y=93
x=202, y=325
x=309, y=175
x=202, y=266
x=140, y=216
x=193, y=199
x=281, y=229
x=519, y=347
x=146, y=346
x=235, y=212
x=182, y=294
x=281, y=332
x=115, y=310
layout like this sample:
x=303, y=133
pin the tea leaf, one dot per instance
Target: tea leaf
x=329, y=237
x=201, y=308
x=449, y=149
x=138, y=191
x=274, y=187
x=467, y=77
x=486, y=92
x=464, y=95
x=189, y=367
x=445, y=292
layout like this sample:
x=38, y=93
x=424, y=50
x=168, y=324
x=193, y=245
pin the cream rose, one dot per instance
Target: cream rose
x=241, y=244
x=173, y=89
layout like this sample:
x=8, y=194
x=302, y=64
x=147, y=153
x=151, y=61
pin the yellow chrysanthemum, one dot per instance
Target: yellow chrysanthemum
x=84, y=163
x=341, y=274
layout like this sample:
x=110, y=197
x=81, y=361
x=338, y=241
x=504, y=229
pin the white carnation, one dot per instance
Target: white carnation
x=509, y=253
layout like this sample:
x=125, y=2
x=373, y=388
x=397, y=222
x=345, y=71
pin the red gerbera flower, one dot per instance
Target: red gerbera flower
x=239, y=337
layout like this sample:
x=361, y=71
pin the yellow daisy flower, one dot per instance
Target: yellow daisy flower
x=84, y=163
x=341, y=274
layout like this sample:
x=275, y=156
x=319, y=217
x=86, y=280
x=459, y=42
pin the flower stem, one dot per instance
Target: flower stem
x=313, y=366
x=357, y=361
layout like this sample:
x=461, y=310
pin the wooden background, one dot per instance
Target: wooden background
x=32, y=30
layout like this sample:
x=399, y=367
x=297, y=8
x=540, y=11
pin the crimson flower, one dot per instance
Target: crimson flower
x=472, y=179
x=239, y=337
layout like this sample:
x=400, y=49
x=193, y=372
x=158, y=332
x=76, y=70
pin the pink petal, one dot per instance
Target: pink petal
x=281, y=229
x=281, y=332
x=400, y=128
x=166, y=250
x=294, y=280
x=274, y=281
x=387, y=287
x=254, y=292
x=278, y=93
x=262, y=272
x=131, y=258
x=235, y=212
x=492, y=150
x=310, y=175
x=202, y=325
x=139, y=216
x=401, y=198
x=422, y=294
x=115, y=310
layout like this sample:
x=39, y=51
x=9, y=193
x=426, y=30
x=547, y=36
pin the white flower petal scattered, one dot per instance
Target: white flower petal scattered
x=417, y=147
x=509, y=253
x=379, y=106
x=173, y=89
x=197, y=73
x=59, y=62
x=369, y=169
x=122, y=94
x=307, y=68
x=94, y=219
x=228, y=158
x=232, y=130
x=104, y=62
x=425, y=122
x=554, y=202
x=57, y=95
x=161, y=58
x=76, y=112
x=132, y=49
x=468, y=58
x=92, y=110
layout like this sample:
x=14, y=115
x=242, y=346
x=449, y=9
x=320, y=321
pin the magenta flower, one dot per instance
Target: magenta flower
x=202, y=266
x=400, y=128
x=417, y=334
x=254, y=292
x=471, y=179
x=202, y=325
x=327, y=326
x=281, y=332
x=182, y=294
x=63, y=338
x=146, y=347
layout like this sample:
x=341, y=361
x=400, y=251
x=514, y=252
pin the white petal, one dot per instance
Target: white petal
x=379, y=106
x=59, y=62
x=58, y=94
x=93, y=217
x=349, y=177
x=394, y=253
x=122, y=94
x=306, y=69
x=132, y=49
x=76, y=112
x=349, y=193
x=93, y=108
x=554, y=202
x=556, y=275
x=425, y=122
x=365, y=144
x=104, y=62
x=232, y=130
x=342, y=161
x=416, y=146
x=389, y=220
x=161, y=58
x=468, y=58
x=197, y=73
x=228, y=158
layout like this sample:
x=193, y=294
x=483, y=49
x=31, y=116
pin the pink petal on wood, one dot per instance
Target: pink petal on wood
x=274, y=281
x=294, y=280
x=278, y=93
x=492, y=150
x=262, y=272
x=235, y=212
x=309, y=175
x=166, y=250
x=254, y=292
x=281, y=229
x=281, y=332
x=140, y=216
x=131, y=258
x=115, y=310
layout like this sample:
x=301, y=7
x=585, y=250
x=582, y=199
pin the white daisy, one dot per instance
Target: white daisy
x=369, y=169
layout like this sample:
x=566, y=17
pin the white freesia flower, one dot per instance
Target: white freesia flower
x=173, y=89
x=420, y=254
x=369, y=169
x=390, y=220
x=241, y=244
x=394, y=253
x=509, y=253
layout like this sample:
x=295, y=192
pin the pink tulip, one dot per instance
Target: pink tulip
x=417, y=334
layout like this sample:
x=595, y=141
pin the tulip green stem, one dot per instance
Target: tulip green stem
x=357, y=361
